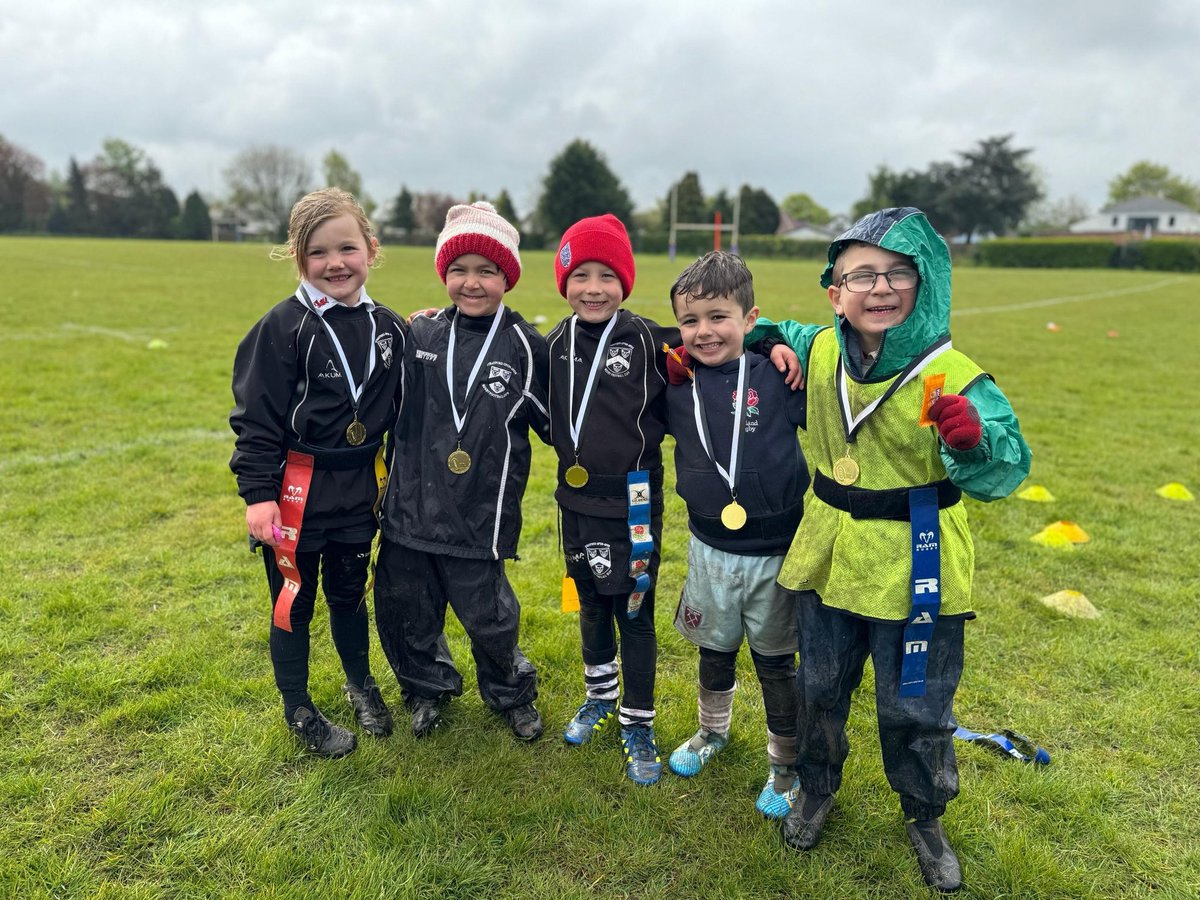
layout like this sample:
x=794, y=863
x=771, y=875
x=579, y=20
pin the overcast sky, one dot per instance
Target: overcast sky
x=787, y=95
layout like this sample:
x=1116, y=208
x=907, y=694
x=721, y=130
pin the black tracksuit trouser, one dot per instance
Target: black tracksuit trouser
x=412, y=590
x=342, y=572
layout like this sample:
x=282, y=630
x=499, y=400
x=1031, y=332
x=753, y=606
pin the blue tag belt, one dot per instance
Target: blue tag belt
x=926, y=590
x=641, y=539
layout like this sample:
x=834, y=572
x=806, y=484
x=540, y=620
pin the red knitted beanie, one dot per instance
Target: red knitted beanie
x=600, y=239
x=478, y=228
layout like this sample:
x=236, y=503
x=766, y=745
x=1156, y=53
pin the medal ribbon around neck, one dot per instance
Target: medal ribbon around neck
x=584, y=401
x=731, y=474
x=460, y=421
x=852, y=423
x=355, y=390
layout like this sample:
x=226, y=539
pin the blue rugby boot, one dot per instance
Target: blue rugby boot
x=642, y=763
x=693, y=755
x=779, y=793
x=589, y=720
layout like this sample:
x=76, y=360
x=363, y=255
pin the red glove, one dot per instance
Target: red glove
x=957, y=421
x=679, y=365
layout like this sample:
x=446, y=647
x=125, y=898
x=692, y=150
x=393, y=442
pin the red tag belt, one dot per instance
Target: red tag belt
x=297, y=476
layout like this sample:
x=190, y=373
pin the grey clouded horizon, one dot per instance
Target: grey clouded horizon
x=475, y=96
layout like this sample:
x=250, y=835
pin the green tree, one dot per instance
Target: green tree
x=338, y=173
x=265, y=181
x=78, y=204
x=504, y=206
x=992, y=190
x=803, y=208
x=195, y=223
x=580, y=184
x=402, y=215
x=721, y=203
x=128, y=196
x=1148, y=179
x=689, y=201
x=760, y=215
x=881, y=188
x=24, y=196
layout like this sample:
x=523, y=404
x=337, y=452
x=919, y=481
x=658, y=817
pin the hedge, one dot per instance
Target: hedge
x=1169, y=254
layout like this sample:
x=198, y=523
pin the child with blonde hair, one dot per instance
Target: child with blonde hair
x=316, y=383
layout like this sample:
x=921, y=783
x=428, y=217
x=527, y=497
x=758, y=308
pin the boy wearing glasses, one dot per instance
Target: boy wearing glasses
x=900, y=426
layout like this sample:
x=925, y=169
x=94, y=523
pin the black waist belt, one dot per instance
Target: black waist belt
x=862, y=503
x=609, y=485
x=767, y=528
x=340, y=459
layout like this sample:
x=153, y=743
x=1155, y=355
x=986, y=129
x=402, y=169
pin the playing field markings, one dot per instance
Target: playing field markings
x=68, y=457
x=1072, y=298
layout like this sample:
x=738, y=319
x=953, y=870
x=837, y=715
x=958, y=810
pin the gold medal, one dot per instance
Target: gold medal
x=576, y=476
x=845, y=471
x=356, y=432
x=733, y=516
x=459, y=461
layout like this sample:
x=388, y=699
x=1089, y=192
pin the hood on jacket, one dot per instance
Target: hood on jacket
x=903, y=230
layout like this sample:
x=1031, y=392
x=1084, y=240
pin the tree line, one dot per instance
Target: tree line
x=992, y=188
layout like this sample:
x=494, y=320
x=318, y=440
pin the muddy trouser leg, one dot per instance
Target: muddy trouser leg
x=483, y=600
x=916, y=734
x=290, y=649
x=344, y=578
x=410, y=614
x=833, y=650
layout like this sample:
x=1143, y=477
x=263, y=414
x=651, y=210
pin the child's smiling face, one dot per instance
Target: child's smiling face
x=337, y=258
x=594, y=292
x=475, y=285
x=874, y=311
x=713, y=329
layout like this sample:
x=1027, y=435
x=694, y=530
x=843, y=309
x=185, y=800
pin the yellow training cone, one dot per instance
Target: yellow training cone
x=1037, y=494
x=570, y=595
x=1061, y=534
x=1073, y=604
x=1175, y=491
x=1055, y=539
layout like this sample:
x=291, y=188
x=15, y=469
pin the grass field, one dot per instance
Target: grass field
x=143, y=754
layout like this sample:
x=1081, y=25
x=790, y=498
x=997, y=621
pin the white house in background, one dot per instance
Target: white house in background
x=1143, y=215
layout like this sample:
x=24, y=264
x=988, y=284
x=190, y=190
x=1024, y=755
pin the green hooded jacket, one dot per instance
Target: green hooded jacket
x=1000, y=462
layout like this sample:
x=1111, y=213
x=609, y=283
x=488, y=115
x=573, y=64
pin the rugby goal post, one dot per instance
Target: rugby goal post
x=715, y=225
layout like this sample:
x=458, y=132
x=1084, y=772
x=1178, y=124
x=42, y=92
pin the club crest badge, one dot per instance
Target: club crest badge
x=692, y=617
x=498, y=379
x=599, y=557
x=564, y=255
x=618, y=362
x=384, y=343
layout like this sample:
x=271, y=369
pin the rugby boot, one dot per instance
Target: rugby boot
x=693, y=755
x=426, y=715
x=803, y=823
x=524, y=721
x=779, y=793
x=642, y=763
x=370, y=710
x=320, y=736
x=935, y=856
x=589, y=720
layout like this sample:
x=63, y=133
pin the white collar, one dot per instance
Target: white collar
x=320, y=304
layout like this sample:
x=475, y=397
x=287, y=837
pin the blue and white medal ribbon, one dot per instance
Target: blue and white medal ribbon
x=459, y=460
x=733, y=516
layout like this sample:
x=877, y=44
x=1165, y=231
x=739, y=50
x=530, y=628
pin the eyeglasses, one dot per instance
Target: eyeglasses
x=897, y=279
